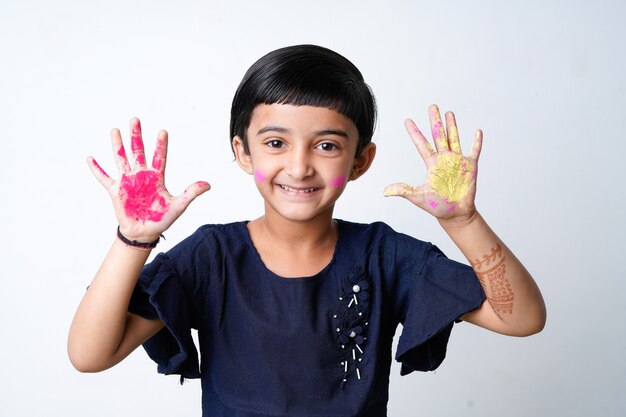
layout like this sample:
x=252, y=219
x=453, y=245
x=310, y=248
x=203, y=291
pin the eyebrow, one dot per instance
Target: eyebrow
x=323, y=132
x=271, y=128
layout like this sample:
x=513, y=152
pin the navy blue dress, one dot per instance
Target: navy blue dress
x=310, y=346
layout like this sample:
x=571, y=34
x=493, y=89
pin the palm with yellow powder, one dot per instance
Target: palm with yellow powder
x=450, y=187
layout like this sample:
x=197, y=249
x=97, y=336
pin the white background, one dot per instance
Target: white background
x=544, y=80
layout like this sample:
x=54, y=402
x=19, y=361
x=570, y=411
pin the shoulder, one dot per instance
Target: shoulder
x=223, y=230
x=208, y=242
x=381, y=233
x=211, y=233
x=391, y=250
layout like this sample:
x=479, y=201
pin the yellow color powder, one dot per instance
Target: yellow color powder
x=452, y=176
x=400, y=189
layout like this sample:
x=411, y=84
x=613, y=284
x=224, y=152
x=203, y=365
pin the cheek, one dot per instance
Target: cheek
x=338, y=182
x=259, y=176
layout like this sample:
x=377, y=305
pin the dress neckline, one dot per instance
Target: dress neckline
x=305, y=279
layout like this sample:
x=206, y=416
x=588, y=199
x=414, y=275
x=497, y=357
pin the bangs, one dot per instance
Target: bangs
x=305, y=75
x=307, y=88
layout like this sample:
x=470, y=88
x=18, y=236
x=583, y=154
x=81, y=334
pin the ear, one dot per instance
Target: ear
x=363, y=161
x=243, y=159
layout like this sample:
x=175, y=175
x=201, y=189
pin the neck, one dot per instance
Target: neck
x=291, y=248
x=298, y=234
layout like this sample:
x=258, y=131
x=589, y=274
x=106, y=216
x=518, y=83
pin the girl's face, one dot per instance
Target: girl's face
x=301, y=157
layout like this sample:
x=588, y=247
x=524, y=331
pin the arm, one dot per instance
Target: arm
x=514, y=304
x=103, y=332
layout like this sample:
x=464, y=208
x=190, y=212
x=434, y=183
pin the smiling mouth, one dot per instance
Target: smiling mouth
x=297, y=190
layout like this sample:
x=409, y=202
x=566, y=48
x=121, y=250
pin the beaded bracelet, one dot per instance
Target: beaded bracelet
x=136, y=244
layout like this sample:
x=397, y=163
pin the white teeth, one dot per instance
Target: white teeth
x=306, y=190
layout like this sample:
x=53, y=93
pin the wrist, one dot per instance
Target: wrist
x=459, y=222
x=136, y=233
x=144, y=243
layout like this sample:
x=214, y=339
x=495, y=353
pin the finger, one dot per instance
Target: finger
x=410, y=192
x=136, y=144
x=402, y=190
x=421, y=143
x=191, y=192
x=453, y=133
x=477, y=146
x=99, y=173
x=436, y=126
x=160, y=153
x=119, y=153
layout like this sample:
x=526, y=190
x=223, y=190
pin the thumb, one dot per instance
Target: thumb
x=412, y=193
x=190, y=194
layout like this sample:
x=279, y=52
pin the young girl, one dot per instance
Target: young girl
x=296, y=311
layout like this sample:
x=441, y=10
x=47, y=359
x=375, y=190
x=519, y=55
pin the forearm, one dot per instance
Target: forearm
x=99, y=326
x=515, y=305
x=103, y=332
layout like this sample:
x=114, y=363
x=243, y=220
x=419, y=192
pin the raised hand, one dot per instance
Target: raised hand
x=450, y=188
x=143, y=206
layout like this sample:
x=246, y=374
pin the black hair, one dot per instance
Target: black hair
x=305, y=75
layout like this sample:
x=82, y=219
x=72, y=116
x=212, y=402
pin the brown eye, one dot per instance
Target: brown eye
x=275, y=143
x=327, y=146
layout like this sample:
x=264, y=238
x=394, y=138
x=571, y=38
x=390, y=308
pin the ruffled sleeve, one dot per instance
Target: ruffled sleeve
x=159, y=293
x=435, y=297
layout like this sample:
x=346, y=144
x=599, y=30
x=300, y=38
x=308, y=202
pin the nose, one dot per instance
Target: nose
x=299, y=165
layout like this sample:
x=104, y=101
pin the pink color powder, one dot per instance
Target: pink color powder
x=141, y=196
x=258, y=175
x=436, y=128
x=136, y=127
x=159, y=156
x=93, y=161
x=451, y=207
x=121, y=151
x=433, y=204
x=136, y=144
x=338, y=182
x=157, y=163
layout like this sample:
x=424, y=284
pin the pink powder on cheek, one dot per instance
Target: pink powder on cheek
x=451, y=207
x=140, y=193
x=258, y=175
x=338, y=182
x=433, y=204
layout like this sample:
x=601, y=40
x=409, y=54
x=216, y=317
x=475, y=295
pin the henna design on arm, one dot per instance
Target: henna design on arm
x=491, y=273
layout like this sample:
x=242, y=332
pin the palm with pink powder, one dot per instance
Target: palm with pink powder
x=143, y=205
